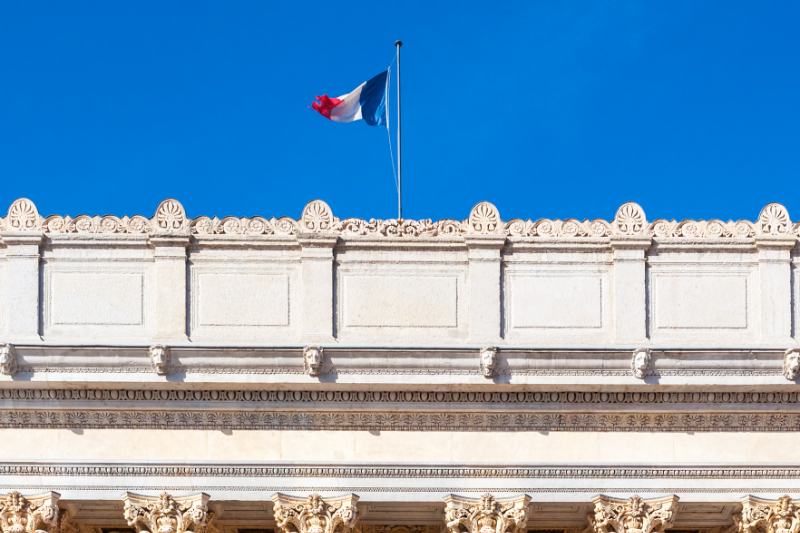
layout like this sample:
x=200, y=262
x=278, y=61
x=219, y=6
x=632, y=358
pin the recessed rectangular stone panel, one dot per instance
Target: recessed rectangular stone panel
x=556, y=301
x=97, y=298
x=400, y=301
x=243, y=299
x=694, y=300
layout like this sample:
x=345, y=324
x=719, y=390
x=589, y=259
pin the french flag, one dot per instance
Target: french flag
x=368, y=101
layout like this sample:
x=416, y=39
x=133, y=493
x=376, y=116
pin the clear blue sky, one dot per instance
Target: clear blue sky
x=545, y=108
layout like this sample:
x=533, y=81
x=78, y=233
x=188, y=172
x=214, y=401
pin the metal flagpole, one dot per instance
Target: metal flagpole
x=398, y=44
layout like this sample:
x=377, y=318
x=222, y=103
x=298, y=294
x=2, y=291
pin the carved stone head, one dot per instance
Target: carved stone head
x=312, y=360
x=640, y=361
x=159, y=354
x=791, y=363
x=8, y=360
x=489, y=361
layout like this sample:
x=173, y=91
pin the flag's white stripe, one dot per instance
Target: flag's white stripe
x=350, y=108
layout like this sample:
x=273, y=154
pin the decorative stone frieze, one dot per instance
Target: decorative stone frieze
x=315, y=514
x=165, y=514
x=791, y=363
x=768, y=516
x=488, y=361
x=634, y=515
x=34, y=514
x=486, y=515
x=312, y=360
x=159, y=355
x=317, y=217
x=640, y=362
x=8, y=359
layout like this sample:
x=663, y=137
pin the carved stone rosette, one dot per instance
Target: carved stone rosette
x=165, y=514
x=634, y=515
x=486, y=515
x=19, y=514
x=315, y=515
x=768, y=516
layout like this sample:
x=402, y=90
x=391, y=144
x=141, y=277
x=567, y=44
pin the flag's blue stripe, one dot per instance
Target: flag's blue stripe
x=373, y=100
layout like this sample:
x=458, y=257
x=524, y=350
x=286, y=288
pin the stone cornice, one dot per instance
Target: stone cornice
x=317, y=218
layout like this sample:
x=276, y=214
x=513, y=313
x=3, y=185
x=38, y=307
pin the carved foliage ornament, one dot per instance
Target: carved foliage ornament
x=486, y=515
x=768, y=516
x=19, y=514
x=317, y=217
x=165, y=514
x=634, y=515
x=315, y=515
x=8, y=360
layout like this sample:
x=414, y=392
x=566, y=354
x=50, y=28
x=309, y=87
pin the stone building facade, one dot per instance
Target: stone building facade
x=317, y=375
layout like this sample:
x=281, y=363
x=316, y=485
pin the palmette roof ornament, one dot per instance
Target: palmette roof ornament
x=315, y=514
x=165, y=514
x=768, y=516
x=33, y=514
x=634, y=515
x=486, y=514
x=317, y=218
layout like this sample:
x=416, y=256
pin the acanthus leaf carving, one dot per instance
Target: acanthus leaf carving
x=170, y=217
x=484, y=219
x=317, y=217
x=315, y=514
x=768, y=516
x=634, y=515
x=630, y=220
x=8, y=359
x=486, y=515
x=33, y=514
x=774, y=220
x=23, y=216
x=165, y=514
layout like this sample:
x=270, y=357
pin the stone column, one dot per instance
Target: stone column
x=487, y=513
x=170, y=281
x=775, y=286
x=630, y=291
x=22, y=285
x=484, y=255
x=317, y=286
x=187, y=514
x=617, y=515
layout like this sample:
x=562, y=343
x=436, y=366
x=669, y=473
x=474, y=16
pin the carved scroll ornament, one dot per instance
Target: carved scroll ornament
x=634, y=515
x=165, y=514
x=33, y=514
x=483, y=219
x=314, y=514
x=486, y=515
x=768, y=516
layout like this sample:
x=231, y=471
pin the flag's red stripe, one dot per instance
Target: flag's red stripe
x=325, y=104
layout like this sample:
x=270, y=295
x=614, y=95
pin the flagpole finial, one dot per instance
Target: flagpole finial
x=398, y=43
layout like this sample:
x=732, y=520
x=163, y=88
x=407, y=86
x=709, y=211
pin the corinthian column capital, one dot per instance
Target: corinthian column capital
x=314, y=514
x=486, y=515
x=165, y=514
x=768, y=516
x=634, y=515
x=33, y=514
